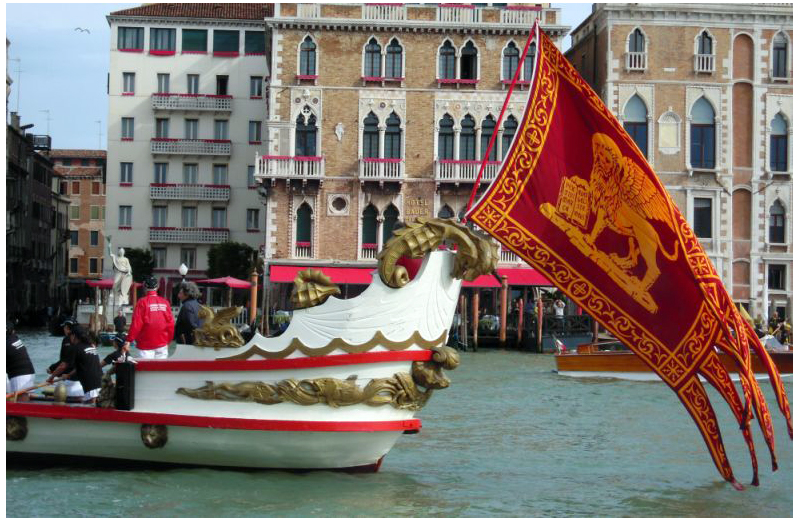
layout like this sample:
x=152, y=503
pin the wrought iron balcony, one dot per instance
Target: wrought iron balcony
x=456, y=172
x=192, y=102
x=290, y=167
x=704, y=63
x=381, y=170
x=183, y=235
x=214, y=192
x=190, y=146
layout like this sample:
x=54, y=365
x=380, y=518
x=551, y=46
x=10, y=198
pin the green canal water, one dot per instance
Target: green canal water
x=509, y=438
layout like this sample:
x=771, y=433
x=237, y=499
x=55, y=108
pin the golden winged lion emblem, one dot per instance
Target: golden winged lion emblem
x=623, y=199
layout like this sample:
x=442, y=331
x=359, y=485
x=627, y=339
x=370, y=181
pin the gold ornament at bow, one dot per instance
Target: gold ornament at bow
x=401, y=391
x=476, y=254
x=217, y=330
x=311, y=288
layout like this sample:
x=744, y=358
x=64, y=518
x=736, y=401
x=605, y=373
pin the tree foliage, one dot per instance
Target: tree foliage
x=141, y=262
x=231, y=259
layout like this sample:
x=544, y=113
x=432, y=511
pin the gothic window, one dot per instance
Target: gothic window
x=777, y=223
x=369, y=225
x=636, y=41
x=371, y=136
x=636, y=122
x=469, y=61
x=308, y=57
x=305, y=139
x=705, y=44
x=446, y=137
x=510, y=60
x=372, y=59
x=778, y=145
x=390, y=222
x=447, y=61
x=487, y=129
x=445, y=212
x=394, y=60
x=509, y=129
x=467, y=139
x=530, y=61
x=303, y=235
x=392, y=138
x=702, y=135
x=780, y=47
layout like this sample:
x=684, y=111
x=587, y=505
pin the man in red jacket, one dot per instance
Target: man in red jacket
x=152, y=325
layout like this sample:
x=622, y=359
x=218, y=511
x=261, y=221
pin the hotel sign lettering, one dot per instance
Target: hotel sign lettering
x=417, y=207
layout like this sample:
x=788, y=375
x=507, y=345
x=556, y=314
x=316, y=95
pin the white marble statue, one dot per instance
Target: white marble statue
x=123, y=276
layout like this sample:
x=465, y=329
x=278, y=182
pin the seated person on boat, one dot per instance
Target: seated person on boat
x=73, y=386
x=19, y=369
x=82, y=356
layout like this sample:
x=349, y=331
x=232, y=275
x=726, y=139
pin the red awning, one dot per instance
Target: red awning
x=340, y=275
x=516, y=276
x=233, y=283
x=106, y=283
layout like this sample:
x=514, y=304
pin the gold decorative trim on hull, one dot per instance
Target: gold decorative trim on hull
x=337, y=343
x=217, y=330
x=311, y=288
x=401, y=391
x=476, y=254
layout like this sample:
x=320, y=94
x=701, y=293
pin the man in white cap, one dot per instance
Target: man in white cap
x=152, y=325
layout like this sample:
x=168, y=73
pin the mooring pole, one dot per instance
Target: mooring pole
x=475, y=317
x=503, y=309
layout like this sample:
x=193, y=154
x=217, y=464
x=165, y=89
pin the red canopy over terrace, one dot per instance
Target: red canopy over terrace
x=229, y=281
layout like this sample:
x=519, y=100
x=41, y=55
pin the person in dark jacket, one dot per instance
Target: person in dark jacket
x=120, y=322
x=189, y=315
x=74, y=388
x=82, y=356
x=19, y=369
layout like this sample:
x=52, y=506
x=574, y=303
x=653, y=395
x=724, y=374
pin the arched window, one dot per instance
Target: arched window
x=777, y=223
x=467, y=140
x=392, y=137
x=530, y=61
x=705, y=45
x=446, y=137
x=510, y=60
x=308, y=57
x=305, y=136
x=509, y=129
x=447, y=61
x=369, y=226
x=703, y=135
x=372, y=59
x=303, y=236
x=394, y=60
x=636, y=122
x=487, y=129
x=390, y=222
x=636, y=41
x=778, y=141
x=446, y=212
x=469, y=62
x=780, y=46
x=371, y=136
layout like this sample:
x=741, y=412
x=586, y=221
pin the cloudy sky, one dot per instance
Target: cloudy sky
x=63, y=70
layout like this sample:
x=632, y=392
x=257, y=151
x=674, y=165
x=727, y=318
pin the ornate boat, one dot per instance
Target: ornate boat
x=589, y=361
x=335, y=391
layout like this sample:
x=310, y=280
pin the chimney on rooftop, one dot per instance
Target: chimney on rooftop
x=14, y=120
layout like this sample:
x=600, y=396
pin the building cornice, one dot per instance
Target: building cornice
x=162, y=20
x=352, y=24
x=707, y=15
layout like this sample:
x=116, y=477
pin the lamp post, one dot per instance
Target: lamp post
x=183, y=270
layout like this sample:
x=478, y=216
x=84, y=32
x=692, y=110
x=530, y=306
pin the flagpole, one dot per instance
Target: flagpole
x=499, y=120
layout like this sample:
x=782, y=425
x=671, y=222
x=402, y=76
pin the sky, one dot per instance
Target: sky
x=64, y=71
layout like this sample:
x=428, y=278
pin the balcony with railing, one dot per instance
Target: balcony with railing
x=381, y=170
x=163, y=145
x=517, y=16
x=302, y=250
x=636, y=61
x=704, y=63
x=188, y=235
x=191, y=102
x=508, y=257
x=369, y=251
x=387, y=12
x=289, y=167
x=456, y=172
x=212, y=192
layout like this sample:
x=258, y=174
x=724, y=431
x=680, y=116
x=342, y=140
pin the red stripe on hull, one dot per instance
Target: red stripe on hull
x=228, y=423
x=217, y=365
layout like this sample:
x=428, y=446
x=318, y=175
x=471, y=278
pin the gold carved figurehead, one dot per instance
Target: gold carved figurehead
x=476, y=254
x=217, y=330
x=311, y=288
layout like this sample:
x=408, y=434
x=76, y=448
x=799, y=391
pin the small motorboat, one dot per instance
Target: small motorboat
x=335, y=391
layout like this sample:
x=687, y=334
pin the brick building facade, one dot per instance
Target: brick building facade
x=706, y=91
x=83, y=182
x=378, y=113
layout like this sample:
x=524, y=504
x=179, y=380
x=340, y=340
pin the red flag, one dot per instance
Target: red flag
x=576, y=200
